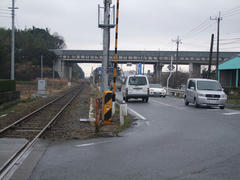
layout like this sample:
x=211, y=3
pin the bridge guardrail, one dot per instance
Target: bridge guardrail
x=176, y=92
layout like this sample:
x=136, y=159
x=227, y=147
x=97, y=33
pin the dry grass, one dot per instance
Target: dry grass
x=27, y=88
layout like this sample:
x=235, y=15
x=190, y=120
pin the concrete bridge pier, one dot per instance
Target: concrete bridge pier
x=158, y=72
x=59, y=67
x=63, y=69
x=70, y=73
x=194, y=70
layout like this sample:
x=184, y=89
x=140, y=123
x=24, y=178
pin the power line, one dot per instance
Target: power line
x=202, y=27
x=199, y=26
x=231, y=11
x=5, y=13
x=233, y=14
x=5, y=10
x=5, y=16
x=206, y=24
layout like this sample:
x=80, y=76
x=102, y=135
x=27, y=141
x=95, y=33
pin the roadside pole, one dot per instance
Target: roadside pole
x=41, y=67
x=105, y=25
x=13, y=41
x=170, y=73
x=218, y=19
x=210, y=57
x=106, y=41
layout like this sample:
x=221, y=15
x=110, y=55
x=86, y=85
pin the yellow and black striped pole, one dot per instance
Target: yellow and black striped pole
x=116, y=54
x=107, y=107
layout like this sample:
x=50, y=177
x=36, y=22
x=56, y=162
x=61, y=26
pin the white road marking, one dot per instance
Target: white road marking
x=231, y=113
x=147, y=123
x=181, y=108
x=215, y=109
x=137, y=114
x=91, y=144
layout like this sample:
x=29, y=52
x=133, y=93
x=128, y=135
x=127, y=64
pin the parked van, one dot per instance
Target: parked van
x=204, y=92
x=136, y=86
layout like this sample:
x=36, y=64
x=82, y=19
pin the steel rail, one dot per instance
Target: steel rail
x=33, y=113
x=11, y=162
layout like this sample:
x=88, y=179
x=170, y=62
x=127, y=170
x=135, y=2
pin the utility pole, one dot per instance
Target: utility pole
x=53, y=71
x=210, y=57
x=13, y=41
x=106, y=25
x=105, y=46
x=177, y=41
x=218, y=19
x=41, y=67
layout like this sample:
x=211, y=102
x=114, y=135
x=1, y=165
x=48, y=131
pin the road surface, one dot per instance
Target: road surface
x=169, y=141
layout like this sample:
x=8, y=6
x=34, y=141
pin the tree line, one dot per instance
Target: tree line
x=30, y=45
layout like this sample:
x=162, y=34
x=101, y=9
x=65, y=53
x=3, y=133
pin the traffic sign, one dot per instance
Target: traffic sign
x=170, y=68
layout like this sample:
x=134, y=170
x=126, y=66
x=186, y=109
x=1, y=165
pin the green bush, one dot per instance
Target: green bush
x=7, y=85
x=232, y=90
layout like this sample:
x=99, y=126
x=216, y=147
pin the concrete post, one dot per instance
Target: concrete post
x=123, y=112
x=106, y=41
x=13, y=42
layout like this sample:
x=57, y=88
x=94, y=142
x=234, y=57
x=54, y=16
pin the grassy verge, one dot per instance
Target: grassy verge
x=27, y=82
x=127, y=121
x=11, y=106
x=233, y=101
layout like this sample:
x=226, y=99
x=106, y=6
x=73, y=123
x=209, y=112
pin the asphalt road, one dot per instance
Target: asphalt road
x=169, y=141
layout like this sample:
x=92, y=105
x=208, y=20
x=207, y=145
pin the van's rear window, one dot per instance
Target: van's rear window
x=138, y=81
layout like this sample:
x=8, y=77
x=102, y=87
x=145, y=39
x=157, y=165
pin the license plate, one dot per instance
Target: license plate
x=213, y=102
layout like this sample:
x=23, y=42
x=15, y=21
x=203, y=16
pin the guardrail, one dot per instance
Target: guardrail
x=176, y=92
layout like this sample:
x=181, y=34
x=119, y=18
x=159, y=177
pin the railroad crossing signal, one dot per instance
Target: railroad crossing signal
x=170, y=68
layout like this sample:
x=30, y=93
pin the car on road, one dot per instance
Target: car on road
x=157, y=90
x=136, y=86
x=204, y=92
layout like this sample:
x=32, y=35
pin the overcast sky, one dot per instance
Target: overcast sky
x=143, y=24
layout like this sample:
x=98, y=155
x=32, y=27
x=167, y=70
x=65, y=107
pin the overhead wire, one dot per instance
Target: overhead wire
x=5, y=16
x=5, y=13
x=231, y=11
x=198, y=29
x=4, y=9
x=207, y=24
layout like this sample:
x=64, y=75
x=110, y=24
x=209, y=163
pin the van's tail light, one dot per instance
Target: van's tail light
x=126, y=90
x=148, y=90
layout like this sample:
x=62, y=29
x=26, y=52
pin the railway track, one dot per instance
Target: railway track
x=33, y=125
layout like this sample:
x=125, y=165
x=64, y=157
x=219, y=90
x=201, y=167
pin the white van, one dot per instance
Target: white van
x=204, y=92
x=136, y=86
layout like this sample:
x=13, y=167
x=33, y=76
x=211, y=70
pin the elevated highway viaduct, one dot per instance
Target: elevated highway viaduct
x=157, y=58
